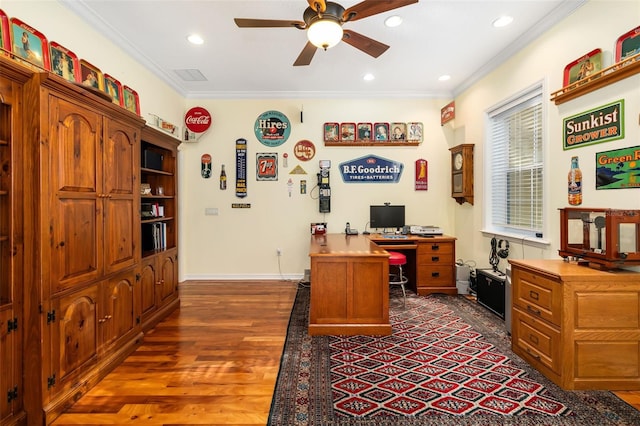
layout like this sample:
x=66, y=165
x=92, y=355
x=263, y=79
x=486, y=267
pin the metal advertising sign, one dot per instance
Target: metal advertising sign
x=422, y=183
x=272, y=128
x=241, y=168
x=371, y=169
x=603, y=124
x=267, y=166
x=304, y=150
x=619, y=168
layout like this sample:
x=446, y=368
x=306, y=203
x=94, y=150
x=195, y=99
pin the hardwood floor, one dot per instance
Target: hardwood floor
x=213, y=362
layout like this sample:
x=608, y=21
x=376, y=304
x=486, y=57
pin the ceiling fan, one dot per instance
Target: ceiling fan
x=323, y=21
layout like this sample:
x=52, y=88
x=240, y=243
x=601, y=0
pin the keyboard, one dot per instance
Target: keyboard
x=395, y=237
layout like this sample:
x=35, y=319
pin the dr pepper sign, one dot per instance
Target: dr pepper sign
x=197, y=121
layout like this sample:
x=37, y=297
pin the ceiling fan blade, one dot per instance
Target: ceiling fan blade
x=267, y=23
x=317, y=5
x=373, y=7
x=366, y=44
x=305, y=57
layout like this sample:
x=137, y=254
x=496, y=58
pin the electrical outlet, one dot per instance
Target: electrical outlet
x=279, y=252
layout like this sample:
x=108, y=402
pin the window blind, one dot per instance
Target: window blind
x=516, y=178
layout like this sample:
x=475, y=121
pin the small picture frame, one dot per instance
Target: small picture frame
x=331, y=132
x=415, y=131
x=113, y=88
x=398, y=132
x=348, y=132
x=628, y=44
x=381, y=131
x=5, y=34
x=130, y=99
x=29, y=44
x=90, y=75
x=583, y=67
x=364, y=131
x=64, y=62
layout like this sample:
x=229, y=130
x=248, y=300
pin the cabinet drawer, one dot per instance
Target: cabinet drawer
x=538, y=296
x=537, y=339
x=434, y=275
x=436, y=252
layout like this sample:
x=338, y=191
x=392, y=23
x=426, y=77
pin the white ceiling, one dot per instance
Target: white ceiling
x=437, y=37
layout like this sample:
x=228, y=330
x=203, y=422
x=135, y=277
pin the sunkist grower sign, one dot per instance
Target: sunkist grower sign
x=603, y=124
x=371, y=169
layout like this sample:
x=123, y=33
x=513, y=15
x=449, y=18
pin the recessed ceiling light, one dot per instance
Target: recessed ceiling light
x=195, y=39
x=368, y=77
x=444, y=77
x=393, y=21
x=502, y=21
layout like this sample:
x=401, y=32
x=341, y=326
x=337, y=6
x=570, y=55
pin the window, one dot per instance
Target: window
x=515, y=179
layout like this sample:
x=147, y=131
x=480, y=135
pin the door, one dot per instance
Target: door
x=71, y=183
x=117, y=314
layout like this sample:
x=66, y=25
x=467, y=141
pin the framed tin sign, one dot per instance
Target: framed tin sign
x=113, y=88
x=267, y=166
x=618, y=169
x=598, y=125
x=64, y=62
x=272, y=128
x=130, y=99
x=583, y=67
x=90, y=75
x=29, y=44
x=628, y=44
x=5, y=35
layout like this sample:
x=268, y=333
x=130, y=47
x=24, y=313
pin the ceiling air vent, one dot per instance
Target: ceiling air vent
x=191, y=75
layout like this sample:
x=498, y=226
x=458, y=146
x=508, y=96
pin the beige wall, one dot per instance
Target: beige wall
x=242, y=243
x=544, y=60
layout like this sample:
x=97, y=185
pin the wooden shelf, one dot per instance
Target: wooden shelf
x=605, y=77
x=370, y=143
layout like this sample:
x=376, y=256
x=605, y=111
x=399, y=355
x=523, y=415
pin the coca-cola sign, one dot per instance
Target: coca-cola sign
x=197, y=120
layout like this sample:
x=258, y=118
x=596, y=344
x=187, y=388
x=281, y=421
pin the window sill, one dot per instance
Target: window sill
x=517, y=238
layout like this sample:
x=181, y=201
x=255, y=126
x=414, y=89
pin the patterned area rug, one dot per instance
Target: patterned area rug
x=448, y=362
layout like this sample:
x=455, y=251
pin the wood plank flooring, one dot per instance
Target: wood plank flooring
x=212, y=362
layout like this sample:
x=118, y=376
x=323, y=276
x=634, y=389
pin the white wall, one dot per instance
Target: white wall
x=243, y=242
x=544, y=60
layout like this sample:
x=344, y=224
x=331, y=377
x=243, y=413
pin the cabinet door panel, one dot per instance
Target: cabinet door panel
x=120, y=151
x=168, y=283
x=148, y=287
x=10, y=364
x=77, y=331
x=119, y=226
x=71, y=176
x=117, y=316
x=74, y=147
x=74, y=253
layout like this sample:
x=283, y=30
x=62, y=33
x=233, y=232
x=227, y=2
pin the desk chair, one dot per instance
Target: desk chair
x=397, y=277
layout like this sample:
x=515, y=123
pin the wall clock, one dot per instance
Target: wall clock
x=462, y=173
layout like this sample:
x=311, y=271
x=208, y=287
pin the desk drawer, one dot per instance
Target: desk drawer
x=435, y=253
x=537, y=339
x=436, y=276
x=537, y=295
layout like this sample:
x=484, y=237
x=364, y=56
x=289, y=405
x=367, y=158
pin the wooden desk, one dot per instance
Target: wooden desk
x=430, y=261
x=349, y=286
x=350, y=279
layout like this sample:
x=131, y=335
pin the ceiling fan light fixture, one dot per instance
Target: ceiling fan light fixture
x=325, y=33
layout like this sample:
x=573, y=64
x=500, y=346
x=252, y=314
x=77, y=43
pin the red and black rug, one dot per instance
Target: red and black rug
x=448, y=362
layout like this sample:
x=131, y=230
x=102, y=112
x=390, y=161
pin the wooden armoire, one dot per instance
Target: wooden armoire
x=79, y=286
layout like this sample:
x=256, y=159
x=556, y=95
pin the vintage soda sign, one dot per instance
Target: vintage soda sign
x=603, y=124
x=272, y=128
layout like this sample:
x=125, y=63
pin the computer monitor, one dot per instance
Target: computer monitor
x=386, y=217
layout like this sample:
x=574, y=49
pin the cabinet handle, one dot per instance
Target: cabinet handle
x=101, y=320
x=435, y=247
x=534, y=355
x=534, y=295
x=534, y=339
x=435, y=274
x=158, y=282
x=533, y=310
x=108, y=317
x=435, y=258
